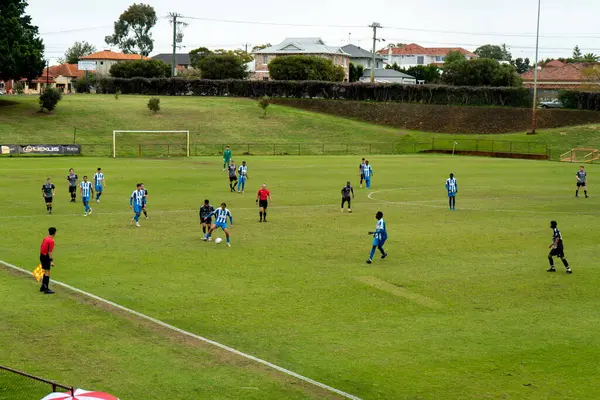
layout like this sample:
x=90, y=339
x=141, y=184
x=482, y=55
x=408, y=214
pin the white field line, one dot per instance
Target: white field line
x=192, y=335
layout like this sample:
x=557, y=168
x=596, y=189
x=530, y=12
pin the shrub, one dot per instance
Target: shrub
x=580, y=100
x=154, y=105
x=49, y=99
x=140, y=68
x=305, y=68
x=264, y=103
x=117, y=94
x=20, y=87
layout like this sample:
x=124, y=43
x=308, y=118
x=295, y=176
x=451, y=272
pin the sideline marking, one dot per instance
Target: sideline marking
x=399, y=291
x=192, y=335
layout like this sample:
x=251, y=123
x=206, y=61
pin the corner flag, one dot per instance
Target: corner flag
x=38, y=273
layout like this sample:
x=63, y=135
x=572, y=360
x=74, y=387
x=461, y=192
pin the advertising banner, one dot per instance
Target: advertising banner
x=64, y=149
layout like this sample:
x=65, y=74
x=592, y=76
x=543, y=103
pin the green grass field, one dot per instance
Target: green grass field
x=214, y=122
x=461, y=309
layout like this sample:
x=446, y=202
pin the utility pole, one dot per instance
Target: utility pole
x=374, y=25
x=535, y=66
x=176, y=38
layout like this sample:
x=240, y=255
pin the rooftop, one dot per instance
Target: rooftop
x=302, y=46
x=113, y=55
x=180, y=58
x=358, y=52
x=557, y=71
x=415, y=49
x=386, y=73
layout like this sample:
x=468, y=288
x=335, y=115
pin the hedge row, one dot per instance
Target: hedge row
x=580, y=100
x=444, y=119
x=426, y=94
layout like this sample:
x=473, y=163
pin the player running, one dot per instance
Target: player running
x=205, y=220
x=263, y=197
x=73, y=183
x=136, y=201
x=581, y=181
x=557, y=249
x=232, y=176
x=99, y=183
x=243, y=176
x=346, y=190
x=145, y=201
x=221, y=215
x=361, y=168
x=226, y=157
x=452, y=188
x=379, y=237
x=367, y=173
x=48, y=192
x=87, y=192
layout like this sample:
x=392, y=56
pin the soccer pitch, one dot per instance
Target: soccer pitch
x=461, y=309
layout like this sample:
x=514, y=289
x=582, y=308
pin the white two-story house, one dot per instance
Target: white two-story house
x=412, y=55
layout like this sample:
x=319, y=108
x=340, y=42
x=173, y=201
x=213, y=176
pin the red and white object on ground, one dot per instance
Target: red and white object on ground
x=80, y=394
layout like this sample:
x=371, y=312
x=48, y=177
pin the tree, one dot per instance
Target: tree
x=480, y=72
x=223, y=67
x=154, y=105
x=521, y=66
x=132, y=30
x=76, y=51
x=453, y=56
x=140, y=69
x=590, y=58
x=198, y=54
x=305, y=68
x=592, y=77
x=245, y=56
x=260, y=47
x=499, y=53
x=427, y=73
x=264, y=103
x=190, y=73
x=49, y=99
x=576, y=54
x=356, y=72
x=21, y=49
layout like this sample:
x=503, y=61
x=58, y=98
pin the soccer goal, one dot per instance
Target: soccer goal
x=151, y=143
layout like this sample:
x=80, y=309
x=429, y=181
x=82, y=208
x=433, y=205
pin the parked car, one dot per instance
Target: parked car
x=551, y=104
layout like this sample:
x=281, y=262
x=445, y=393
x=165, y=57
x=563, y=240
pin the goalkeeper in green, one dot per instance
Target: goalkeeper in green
x=226, y=158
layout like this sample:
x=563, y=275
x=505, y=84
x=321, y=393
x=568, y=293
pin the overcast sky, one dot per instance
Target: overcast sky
x=430, y=23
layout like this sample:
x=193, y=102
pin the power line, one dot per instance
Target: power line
x=75, y=30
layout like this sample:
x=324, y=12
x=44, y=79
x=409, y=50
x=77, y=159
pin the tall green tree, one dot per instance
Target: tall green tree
x=590, y=58
x=245, y=56
x=76, y=51
x=521, y=65
x=427, y=73
x=223, y=67
x=577, y=54
x=499, y=53
x=198, y=54
x=260, y=47
x=305, y=68
x=480, y=72
x=140, y=69
x=453, y=56
x=132, y=30
x=21, y=49
x=356, y=71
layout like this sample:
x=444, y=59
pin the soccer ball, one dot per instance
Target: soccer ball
x=218, y=240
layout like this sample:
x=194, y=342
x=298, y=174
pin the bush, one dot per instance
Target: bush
x=154, y=105
x=223, y=67
x=117, y=94
x=140, y=68
x=580, y=100
x=305, y=68
x=264, y=103
x=49, y=99
x=81, y=86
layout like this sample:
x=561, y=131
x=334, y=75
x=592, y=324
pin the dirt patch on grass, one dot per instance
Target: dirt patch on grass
x=7, y=103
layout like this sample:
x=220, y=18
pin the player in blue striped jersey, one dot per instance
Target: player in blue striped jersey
x=87, y=191
x=243, y=176
x=379, y=237
x=136, y=201
x=452, y=188
x=221, y=215
x=99, y=183
x=367, y=172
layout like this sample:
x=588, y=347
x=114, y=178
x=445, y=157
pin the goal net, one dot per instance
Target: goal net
x=150, y=143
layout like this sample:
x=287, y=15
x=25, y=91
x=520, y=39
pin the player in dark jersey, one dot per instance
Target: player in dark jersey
x=73, y=183
x=557, y=249
x=144, y=201
x=205, y=220
x=361, y=168
x=232, y=176
x=48, y=191
x=581, y=181
x=346, y=191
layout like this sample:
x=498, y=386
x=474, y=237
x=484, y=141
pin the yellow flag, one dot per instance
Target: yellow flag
x=38, y=273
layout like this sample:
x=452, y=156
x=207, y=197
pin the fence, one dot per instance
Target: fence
x=18, y=385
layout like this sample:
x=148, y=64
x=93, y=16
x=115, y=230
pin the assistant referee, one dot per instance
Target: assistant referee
x=263, y=197
x=47, y=260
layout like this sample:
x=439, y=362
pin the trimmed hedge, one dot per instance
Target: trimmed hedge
x=580, y=100
x=444, y=119
x=426, y=94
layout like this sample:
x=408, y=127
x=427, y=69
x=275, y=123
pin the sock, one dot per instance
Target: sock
x=137, y=217
x=551, y=261
x=265, y=215
x=577, y=193
x=454, y=202
x=585, y=191
x=381, y=250
x=145, y=213
x=565, y=263
x=47, y=207
x=450, y=202
x=228, y=239
x=243, y=185
x=204, y=229
x=261, y=215
x=372, y=253
x=50, y=208
x=343, y=204
x=45, y=281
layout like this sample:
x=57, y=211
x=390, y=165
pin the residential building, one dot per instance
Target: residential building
x=182, y=60
x=60, y=77
x=106, y=59
x=298, y=46
x=388, y=76
x=412, y=55
x=360, y=56
x=557, y=75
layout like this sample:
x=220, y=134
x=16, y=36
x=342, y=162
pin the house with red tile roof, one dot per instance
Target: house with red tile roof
x=107, y=58
x=557, y=75
x=412, y=55
x=57, y=76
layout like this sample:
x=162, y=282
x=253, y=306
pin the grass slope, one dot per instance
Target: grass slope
x=462, y=308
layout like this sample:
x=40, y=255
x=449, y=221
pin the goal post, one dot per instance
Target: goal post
x=115, y=132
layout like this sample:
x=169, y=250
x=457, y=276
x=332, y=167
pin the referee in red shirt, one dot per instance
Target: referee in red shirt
x=46, y=259
x=263, y=197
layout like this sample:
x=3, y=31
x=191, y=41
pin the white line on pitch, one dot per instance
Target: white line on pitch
x=192, y=335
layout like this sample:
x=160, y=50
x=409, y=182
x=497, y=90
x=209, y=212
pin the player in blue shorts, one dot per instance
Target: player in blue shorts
x=99, y=183
x=136, y=201
x=379, y=237
x=87, y=192
x=221, y=215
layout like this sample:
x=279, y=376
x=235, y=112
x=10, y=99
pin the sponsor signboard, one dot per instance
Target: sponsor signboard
x=86, y=65
x=65, y=149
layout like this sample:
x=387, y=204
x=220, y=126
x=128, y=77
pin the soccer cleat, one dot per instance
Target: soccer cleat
x=204, y=239
x=228, y=244
x=265, y=220
x=384, y=256
x=369, y=261
x=260, y=220
x=90, y=212
x=210, y=239
x=349, y=210
x=137, y=224
x=97, y=200
x=85, y=214
x=146, y=217
x=48, y=291
x=342, y=210
x=586, y=196
x=569, y=271
x=42, y=289
x=551, y=270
